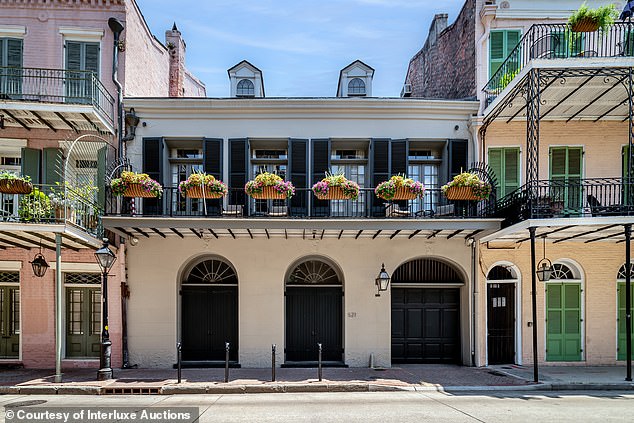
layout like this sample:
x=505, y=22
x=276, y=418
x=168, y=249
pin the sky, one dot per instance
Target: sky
x=300, y=46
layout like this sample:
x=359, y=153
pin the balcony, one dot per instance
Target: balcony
x=55, y=99
x=579, y=198
x=304, y=205
x=28, y=219
x=544, y=43
x=303, y=216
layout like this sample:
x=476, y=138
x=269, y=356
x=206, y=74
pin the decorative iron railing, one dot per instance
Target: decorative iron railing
x=556, y=198
x=558, y=41
x=50, y=204
x=302, y=205
x=56, y=86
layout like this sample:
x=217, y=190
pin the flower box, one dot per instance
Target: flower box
x=269, y=186
x=403, y=193
x=197, y=192
x=585, y=25
x=334, y=193
x=399, y=188
x=15, y=186
x=136, y=190
x=269, y=193
x=461, y=194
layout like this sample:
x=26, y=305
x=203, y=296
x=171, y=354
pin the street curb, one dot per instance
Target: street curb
x=268, y=388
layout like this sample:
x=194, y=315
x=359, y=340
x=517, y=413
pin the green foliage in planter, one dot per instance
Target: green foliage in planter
x=604, y=16
x=35, y=207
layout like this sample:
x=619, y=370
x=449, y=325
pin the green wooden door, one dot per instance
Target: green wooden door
x=565, y=175
x=9, y=321
x=505, y=162
x=563, y=322
x=83, y=322
x=622, y=339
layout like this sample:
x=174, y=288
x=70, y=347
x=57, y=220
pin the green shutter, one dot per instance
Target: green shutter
x=566, y=169
x=31, y=163
x=511, y=170
x=91, y=61
x=14, y=52
x=101, y=176
x=53, y=167
x=501, y=44
x=563, y=322
x=622, y=338
x=505, y=165
x=495, y=163
x=73, y=55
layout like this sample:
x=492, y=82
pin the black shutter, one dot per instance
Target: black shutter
x=457, y=157
x=212, y=165
x=298, y=171
x=399, y=157
x=238, y=158
x=153, y=166
x=321, y=164
x=380, y=165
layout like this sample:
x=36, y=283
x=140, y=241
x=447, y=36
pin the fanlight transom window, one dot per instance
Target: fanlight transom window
x=313, y=272
x=621, y=274
x=212, y=272
x=499, y=273
x=561, y=271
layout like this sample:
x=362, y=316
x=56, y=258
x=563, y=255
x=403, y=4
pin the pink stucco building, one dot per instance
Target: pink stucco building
x=59, y=126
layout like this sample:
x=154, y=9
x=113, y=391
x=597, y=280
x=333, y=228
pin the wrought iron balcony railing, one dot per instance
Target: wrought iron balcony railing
x=558, y=41
x=52, y=205
x=56, y=86
x=568, y=198
x=303, y=205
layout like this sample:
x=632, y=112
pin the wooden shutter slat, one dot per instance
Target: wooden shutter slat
x=31, y=159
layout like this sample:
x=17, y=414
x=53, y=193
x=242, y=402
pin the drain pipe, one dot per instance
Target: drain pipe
x=474, y=302
x=117, y=27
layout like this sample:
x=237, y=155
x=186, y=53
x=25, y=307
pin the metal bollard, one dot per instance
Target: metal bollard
x=273, y=347
x=226, y=362
x=179, y=352
x=319, y=362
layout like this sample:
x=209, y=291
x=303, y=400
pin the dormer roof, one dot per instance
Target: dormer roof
x=356, y=69
x=246, y=71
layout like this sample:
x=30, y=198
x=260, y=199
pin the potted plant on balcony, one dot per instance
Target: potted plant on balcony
x=269, y=186
x=399, y=188
x=35, y=207
x=10, y=183
x=68, y=201
x=202, y=185
x=467, y=187
x=590, y=20
x=132, y=184
x=336, y=187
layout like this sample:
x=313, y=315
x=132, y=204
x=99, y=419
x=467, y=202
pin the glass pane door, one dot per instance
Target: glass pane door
x=262, y=207
x=348, y=208
x=427, y=174
x=183, y=205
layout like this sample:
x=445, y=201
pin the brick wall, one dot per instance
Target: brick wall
x=37, y=303
x=445, y=66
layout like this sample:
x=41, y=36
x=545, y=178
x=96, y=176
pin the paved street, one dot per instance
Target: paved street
x=604, y=406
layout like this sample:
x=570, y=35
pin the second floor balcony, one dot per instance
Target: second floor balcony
x=548, y=43
x=55, y=99
x=303, y=205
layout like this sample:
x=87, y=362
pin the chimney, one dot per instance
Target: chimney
x=438, y=25
x=176, y=51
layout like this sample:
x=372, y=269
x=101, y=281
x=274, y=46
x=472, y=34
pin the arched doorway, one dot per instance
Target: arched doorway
x=209, y=311
x=314, y=309
x=501, y=288
x=426, y=312
x=564, y=337
x=621, y=345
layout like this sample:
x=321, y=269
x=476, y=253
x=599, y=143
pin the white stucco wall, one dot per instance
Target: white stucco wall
x=155, y=268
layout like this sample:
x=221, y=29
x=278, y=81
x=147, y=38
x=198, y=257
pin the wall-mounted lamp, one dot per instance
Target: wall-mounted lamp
x=39, y=264
x=131, y=122
x=544, y=267
x=382, y=281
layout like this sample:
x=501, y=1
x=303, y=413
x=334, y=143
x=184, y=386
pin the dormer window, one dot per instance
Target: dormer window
x=245, y=88
x=356, y=86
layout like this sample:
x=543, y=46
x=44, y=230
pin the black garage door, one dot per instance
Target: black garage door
x=425, y=325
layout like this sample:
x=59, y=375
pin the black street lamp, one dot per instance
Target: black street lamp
x=382, y=281
x=105, y=258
